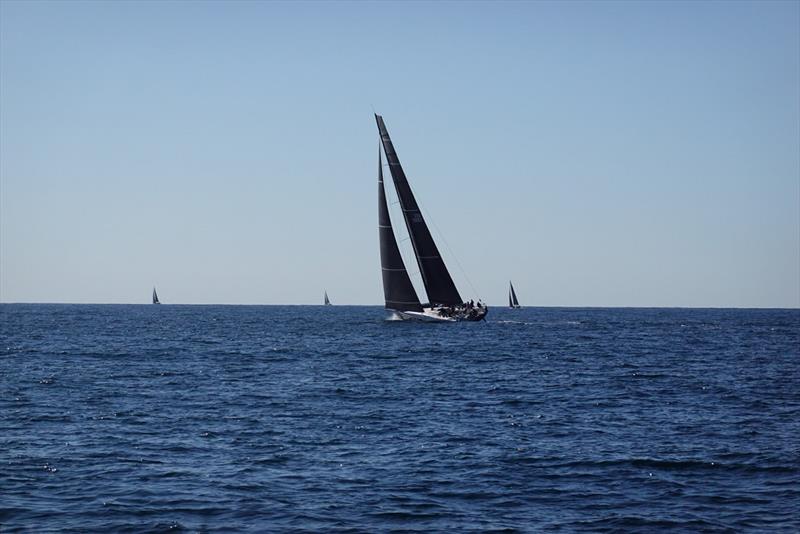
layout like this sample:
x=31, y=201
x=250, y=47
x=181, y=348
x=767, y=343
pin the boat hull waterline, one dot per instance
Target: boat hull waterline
x=427, y=316
x=437, y=315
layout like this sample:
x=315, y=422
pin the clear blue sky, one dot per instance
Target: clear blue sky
x=597, y=154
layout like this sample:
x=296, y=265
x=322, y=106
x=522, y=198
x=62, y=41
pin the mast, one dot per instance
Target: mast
x=398, y=290
x=438, y=284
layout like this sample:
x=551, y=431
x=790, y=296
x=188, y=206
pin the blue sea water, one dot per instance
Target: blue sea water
x=290, y=418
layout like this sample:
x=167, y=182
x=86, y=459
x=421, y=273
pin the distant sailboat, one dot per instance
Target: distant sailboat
x=512, y=296
x=445, y=303
x=155, y=296
x=327, y=300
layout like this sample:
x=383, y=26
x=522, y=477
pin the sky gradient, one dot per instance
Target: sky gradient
x=597, y=154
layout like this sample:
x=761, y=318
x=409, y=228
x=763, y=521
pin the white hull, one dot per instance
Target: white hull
x=434, y=315
x=427, y=315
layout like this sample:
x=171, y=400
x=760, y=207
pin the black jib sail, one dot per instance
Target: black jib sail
x=438, y=283
x=397, y=288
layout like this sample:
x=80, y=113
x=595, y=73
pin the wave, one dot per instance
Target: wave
x=660, y=465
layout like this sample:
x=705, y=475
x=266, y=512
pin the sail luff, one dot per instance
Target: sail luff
x=437, y=280
x=398, y=291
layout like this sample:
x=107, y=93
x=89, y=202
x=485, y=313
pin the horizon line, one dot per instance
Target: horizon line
x=655, y=307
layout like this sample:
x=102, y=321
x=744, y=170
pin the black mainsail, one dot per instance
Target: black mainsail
x=397, y=287
x=327, y=300
x=155, y=296
x=438, y=284
x=512, y=296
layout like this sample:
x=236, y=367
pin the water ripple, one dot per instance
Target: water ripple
x=249, y=418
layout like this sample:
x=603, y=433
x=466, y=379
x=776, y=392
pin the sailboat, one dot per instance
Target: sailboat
x=444, y=302
x=512, y=296
x=155, y=296
x=327, y=300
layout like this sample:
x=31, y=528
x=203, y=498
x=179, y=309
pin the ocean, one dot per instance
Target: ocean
x=142, y=418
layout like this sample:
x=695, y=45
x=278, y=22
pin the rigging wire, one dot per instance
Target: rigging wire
x=449, y=250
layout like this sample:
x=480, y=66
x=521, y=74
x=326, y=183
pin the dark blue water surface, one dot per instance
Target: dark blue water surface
x=274, y=418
